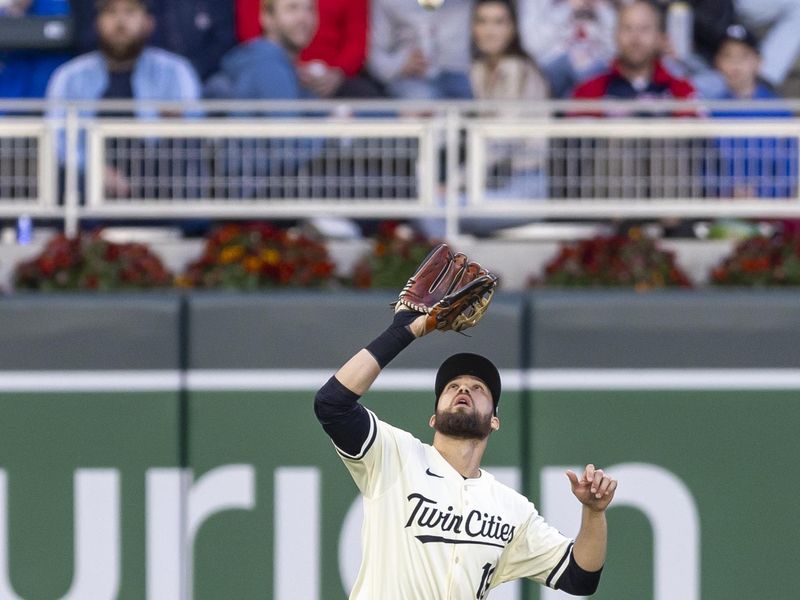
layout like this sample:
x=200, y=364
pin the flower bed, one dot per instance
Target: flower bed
x=761, y=262
x=396, y=253
x=633, y=261
x=258, y=255
x=92, y=263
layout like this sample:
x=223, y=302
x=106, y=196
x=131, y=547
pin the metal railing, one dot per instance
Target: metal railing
x=291, y=167
x=27, y=181
x=454, y=161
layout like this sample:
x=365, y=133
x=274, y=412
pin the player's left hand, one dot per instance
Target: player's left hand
x=595, y=489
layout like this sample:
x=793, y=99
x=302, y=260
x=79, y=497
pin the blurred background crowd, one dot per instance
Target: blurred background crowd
x=493, y=50
x=485, y=49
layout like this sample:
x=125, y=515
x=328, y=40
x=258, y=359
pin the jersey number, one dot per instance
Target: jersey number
x=486, y=580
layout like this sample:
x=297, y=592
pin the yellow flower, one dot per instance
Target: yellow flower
x=231, y=254
x=271, y=256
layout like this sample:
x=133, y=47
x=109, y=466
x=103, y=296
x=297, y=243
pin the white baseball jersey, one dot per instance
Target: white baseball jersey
x=430, y=534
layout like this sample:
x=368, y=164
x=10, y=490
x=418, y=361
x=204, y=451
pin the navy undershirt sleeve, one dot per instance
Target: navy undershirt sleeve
x=343, y=418
x=574, y=580
x=351, y=426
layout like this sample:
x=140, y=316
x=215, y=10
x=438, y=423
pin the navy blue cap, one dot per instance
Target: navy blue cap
x=739, y=33
x=475, y=365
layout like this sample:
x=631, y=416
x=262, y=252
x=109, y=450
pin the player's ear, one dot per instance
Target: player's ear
x=432, y=421
x=495, y=423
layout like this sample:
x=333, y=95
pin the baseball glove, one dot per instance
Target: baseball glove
x=452, y=291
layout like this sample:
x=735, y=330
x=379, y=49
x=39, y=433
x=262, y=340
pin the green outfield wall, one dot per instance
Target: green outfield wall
x=164, y=447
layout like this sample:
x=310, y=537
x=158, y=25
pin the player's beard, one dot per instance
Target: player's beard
x=467, y=425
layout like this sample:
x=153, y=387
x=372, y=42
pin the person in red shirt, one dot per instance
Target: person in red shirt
x=637, y=70
x=332, y=65
x=627, y=168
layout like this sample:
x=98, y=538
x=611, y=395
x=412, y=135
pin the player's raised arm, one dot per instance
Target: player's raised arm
x=595, y=490
x=447, y=292
x=358, y=373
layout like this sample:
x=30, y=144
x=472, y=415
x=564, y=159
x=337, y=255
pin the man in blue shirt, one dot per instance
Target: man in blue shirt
x=200, y=30
x=124, y=68
x=263, y=68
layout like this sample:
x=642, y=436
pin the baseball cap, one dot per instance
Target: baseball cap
x=739, y=33
x=467, y=363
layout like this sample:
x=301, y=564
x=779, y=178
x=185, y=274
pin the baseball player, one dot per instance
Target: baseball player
x=436, y=525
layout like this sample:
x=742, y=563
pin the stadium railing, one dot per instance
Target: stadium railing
x=454, y=161
x=27, y=180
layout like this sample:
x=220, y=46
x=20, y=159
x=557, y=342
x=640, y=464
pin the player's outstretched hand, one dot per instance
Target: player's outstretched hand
x=449, y=290
x=595, y=489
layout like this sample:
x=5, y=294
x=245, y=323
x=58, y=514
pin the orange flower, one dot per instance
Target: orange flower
x=252, y=264
x=231, y=254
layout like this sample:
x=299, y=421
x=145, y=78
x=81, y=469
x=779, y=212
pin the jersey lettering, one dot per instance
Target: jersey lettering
x=426, y=515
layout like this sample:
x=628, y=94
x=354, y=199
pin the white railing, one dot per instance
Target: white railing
x=280, y=168
x=455, y=161
x=28, y=182
x=634, y=168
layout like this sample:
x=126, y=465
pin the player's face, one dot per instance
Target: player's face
x=123, y=28
x=639, y=37
x=465, y=409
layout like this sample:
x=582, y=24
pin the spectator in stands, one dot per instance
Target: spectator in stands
x=710, y=18
x=418, y=53
x=637, y=71
x=738, y=59
x=779, y=23
x=25, y=73
x=124, y=68
x=200, y=30
x=572, y=40
x=761, y=166
x=332, y=65
x=501, y=70
x=264, y=67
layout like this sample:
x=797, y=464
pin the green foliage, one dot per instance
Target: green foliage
x=258, y=255
x=633, y=261
x=396, y=253
x=92, y=263
x=761, y=262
